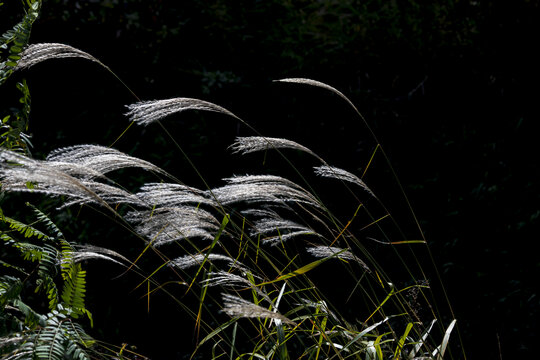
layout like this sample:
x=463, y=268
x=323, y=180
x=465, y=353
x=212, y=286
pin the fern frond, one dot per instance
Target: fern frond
x=31, y=318
x=24, y=229
x=10, y=289
x=66, y=258
x=51, y=226
x=28, y=251
x=62, y=338
x=47, y=270
x=47, y=284
x=74, y=291
x=16, y=39
x=48, y=262
x=51, y=340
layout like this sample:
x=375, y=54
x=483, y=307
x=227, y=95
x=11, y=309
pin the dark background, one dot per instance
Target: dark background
x=449, y=87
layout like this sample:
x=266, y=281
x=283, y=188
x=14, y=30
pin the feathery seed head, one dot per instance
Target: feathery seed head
x=22, y=174
x=327, y=251
x=169, y=224
x=37, y=53
x=263, y=189
x=99, y=159
x=246, y=145
x=188, y=261
x=237, y=307
x=228, y=279
x=275, y=231
x=340, y=174
x=166, y=195
x=147, y=112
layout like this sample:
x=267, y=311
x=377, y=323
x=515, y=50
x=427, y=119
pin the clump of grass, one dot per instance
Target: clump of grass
x=260, y=246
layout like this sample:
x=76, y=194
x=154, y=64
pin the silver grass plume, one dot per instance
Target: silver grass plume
x=165, y=195
x=246, y=145
x=340, y=174
x=227, y=279
x=100, y=159
x=37, y=53
x=285, y=230
x=321, y=305
x=237, y=307
x=322, y=85
x=319, y=84
x=108, y=194
x=188, y=261
x=263, y=188
x=260, y=213
x=86, y=252
x=322, y=251
x=22, y=174
x=147, y=112
x=166, y=225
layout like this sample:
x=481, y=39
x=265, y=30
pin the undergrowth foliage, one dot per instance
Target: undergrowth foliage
x=255, y=246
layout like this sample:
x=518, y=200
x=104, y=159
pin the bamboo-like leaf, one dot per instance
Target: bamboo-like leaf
x=401, y=341
x=365, y=331
x=446, y=338
x=417, y=347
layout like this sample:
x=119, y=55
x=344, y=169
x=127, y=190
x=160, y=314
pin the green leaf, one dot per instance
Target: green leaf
x=401, y=342
x=74, y=292
x=10, y=288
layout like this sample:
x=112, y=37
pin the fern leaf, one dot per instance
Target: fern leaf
x=10, y=288
x=66, y=259
x=51, y=340
x=61, y=339
x=49, y=260
x=47, y=284
x=16, y=39
x=28, y=251
x=31, y=317
x=24, y=229
x=51, y=226
x=74, y=291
